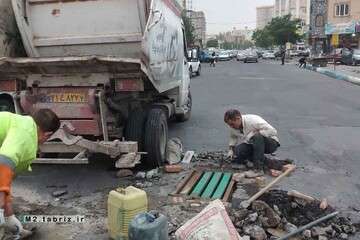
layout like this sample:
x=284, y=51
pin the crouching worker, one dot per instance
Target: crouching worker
x=19, y=140
x=250, y=138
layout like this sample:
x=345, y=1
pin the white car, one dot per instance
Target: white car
x=224, y=56
x=194, y=62
x=268, y=55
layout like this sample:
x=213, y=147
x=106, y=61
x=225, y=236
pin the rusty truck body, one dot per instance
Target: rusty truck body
x=110, y=69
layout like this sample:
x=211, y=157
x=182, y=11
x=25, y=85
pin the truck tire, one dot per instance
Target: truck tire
x=198, y=71
x=186, y=116
x=6, y=106
x=135, y=127
x=156, y=138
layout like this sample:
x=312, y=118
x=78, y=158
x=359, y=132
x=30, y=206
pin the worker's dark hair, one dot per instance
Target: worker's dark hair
x=46, y=120
x=231, y=114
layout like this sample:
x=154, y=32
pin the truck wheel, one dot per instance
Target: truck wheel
x=186, y=116
x=135, y=127
x=198, y=71
x=156, y=138
x=6, y=106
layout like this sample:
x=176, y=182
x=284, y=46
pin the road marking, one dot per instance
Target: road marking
x=255, y=78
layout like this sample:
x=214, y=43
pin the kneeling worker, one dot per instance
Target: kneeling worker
x=19, y=140
x=250, y=138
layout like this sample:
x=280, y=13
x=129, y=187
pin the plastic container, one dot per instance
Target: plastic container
x=149, y=226
x=123, y=206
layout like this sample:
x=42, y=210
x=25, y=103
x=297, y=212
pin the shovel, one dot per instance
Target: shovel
x=247, y=203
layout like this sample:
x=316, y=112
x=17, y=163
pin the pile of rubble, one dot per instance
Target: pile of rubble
x=276, y=214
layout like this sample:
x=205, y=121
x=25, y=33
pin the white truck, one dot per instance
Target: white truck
x=110, y=69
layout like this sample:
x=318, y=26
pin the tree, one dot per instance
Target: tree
x=263, y=38
x=212, y=43
x=189, y=29
x=284, y=30
x=278, y=32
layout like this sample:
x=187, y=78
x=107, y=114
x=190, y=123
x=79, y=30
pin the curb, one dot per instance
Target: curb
x=335, y=74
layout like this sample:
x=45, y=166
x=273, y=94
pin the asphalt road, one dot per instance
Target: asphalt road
x=318, y=120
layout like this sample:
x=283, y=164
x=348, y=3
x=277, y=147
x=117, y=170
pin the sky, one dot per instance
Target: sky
x=224, y=15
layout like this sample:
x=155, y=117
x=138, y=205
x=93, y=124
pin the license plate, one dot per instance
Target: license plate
x=64, y=98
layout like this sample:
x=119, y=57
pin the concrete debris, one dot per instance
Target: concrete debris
x=344, y=236
x=307, y=234
x=253, y=174
x=238, y=166
x=268, y=216
x=143, y=185
x=237, y=177
x=154, y=173
x=140, y=175
x=252, y=217
x=255, y=232
x=289, y=227
x=124, y=173
x=59, y=193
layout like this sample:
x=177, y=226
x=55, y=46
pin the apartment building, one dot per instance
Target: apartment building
x=264, y=14
x=343, y=23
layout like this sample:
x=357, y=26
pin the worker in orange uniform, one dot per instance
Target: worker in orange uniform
x=19, y=140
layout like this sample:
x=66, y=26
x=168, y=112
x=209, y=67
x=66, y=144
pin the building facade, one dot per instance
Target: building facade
x=199, y=22
x=343, y=25
x=318, y=19
x=264, y=14
x=299, y=9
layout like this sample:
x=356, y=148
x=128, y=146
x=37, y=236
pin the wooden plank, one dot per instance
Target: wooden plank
x=220, y=190
x=209, y=190
x=182, y=184
x=229, y=191
x=190, y=184
x=201, y=185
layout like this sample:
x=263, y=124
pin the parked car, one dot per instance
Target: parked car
x=240, y=56
x=335, y=55
x=269, y=55
x=224, y=56
x=205, y=56
x=350, y=56
x=194, y=62
x=294, y=53
x=251, y=57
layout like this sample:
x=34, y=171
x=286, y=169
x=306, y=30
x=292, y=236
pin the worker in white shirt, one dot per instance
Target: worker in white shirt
x=250, y=138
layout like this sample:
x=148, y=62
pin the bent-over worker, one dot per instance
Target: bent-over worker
x=19, y=140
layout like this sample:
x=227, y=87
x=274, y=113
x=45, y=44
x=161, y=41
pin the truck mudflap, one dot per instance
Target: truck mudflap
x=125, y=152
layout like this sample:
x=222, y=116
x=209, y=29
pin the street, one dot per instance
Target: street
x=317, y=118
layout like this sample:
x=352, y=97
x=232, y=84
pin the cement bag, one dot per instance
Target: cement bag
x=174, y=151
x=212, y=223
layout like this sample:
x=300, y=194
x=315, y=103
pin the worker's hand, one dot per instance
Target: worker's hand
x=230, y=154
x=13, y=224
x=2, y=217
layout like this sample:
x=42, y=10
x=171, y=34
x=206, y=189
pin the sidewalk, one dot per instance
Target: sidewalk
x=341, y=72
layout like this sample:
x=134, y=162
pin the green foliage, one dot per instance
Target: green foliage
x=278, y=32
x=212, y=43
x=263, y=38
x=189, y=29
